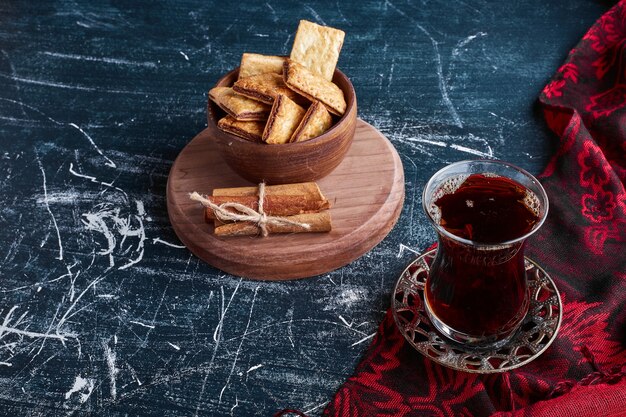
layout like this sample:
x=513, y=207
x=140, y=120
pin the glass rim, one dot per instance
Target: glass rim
x=542, y=195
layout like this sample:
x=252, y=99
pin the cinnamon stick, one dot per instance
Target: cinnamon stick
x=318, y=222
x=273, y=205
x=310, y=189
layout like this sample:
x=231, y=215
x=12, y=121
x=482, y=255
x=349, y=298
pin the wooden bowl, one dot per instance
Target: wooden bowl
x=290, y=162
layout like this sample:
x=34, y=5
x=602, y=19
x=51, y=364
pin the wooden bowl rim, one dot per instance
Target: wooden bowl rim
x=324, y=137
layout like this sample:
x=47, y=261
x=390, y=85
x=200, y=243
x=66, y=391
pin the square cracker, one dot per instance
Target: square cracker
x=283, y=121
x=314, y=87
x=316, y=121
x=317, y=48
x=251, y=131
x=238, y=106
x=254, y=64
x=265, y=88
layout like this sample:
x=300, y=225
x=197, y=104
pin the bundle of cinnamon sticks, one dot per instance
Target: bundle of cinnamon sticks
x=288, y=208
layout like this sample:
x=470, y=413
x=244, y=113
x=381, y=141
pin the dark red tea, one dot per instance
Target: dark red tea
x=479, y=289
x=488, y=209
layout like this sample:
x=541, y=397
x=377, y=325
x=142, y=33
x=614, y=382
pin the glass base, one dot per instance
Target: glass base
x=537, y=331
x=469, y=341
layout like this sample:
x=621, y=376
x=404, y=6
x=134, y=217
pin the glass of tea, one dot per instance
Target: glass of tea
x=483, y=211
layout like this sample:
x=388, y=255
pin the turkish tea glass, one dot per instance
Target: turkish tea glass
x=476, y=292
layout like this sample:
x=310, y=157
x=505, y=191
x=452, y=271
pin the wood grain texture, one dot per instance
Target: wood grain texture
x=366, y=192
x=288, y=162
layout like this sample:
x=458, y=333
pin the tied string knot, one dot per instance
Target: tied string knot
x=224, y=212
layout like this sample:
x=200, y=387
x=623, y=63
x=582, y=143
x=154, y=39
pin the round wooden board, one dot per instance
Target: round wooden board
x=366, y=192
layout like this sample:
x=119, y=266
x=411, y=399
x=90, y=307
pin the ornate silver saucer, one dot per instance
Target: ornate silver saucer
x=537, y=332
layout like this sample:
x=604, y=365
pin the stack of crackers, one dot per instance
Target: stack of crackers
x=280, y=100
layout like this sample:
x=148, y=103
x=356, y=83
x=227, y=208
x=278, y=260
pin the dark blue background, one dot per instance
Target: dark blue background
x=102, y=311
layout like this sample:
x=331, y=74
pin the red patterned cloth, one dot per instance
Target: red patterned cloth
x=581, y=245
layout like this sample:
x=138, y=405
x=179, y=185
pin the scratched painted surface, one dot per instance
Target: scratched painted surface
x=102, y=310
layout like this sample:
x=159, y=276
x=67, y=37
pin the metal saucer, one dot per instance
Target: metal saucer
x=537, y=332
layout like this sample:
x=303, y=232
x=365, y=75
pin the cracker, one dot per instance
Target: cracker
x=252, y=131
x=317, y=48
x=264, y=88
x=238, y=106
x=314, y=87
x=283, y=120
x=316, y=121
x=254, y=64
